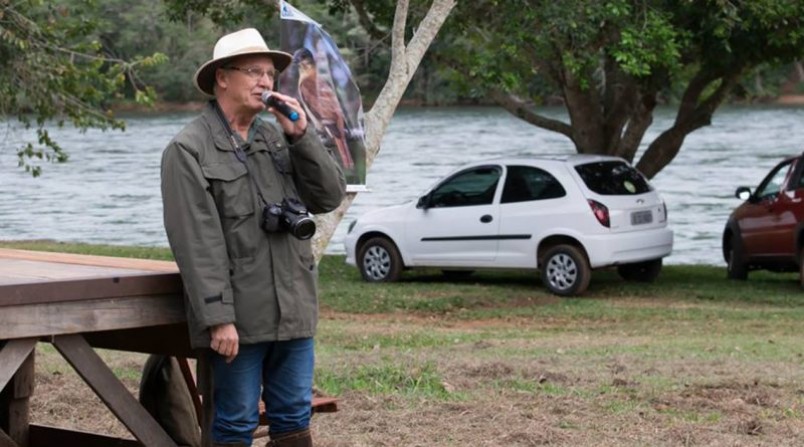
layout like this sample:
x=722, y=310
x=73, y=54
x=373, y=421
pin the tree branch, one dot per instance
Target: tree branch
x=365, y=20
x=638, y=124
x=522, y=110
x=692, y=94
x=404, y=62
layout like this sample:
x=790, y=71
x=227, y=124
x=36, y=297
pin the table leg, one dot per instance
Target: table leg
x=102, y=380
x=16, y=387
x=205, y=378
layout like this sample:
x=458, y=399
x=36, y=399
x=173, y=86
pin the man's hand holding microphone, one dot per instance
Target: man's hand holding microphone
x=289, y=113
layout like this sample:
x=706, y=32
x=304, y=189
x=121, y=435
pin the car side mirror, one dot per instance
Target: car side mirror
x=424, y=201
x=743, y=193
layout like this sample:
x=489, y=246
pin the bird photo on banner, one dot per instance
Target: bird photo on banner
x=322, y=82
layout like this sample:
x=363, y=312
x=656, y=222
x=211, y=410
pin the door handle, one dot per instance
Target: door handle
x=486, y=218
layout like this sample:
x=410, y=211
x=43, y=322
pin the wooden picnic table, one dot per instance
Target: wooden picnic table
x=81, y=302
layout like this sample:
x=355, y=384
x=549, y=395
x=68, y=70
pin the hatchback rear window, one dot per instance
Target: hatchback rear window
x=613, y=178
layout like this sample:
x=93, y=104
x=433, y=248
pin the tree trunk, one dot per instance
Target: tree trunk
x=405, y=59
x=693, y=113
x=661, y=151
x=586, y=118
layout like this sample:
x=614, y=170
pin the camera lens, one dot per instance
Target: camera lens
x=304, y=228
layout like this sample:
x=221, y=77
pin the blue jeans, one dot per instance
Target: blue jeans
x=284, y=370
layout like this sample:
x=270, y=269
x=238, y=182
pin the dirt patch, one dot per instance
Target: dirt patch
x=515, y=386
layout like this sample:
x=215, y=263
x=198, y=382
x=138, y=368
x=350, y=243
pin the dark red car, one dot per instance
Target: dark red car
x=767, y=230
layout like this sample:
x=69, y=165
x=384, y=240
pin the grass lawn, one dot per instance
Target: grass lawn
x=494, y=360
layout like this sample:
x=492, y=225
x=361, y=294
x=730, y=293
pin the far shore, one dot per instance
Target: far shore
x=192, y=106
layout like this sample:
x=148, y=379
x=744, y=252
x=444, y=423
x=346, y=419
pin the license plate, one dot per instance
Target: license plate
x=641, y=217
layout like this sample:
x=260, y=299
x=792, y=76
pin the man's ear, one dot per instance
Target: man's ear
x=221, y=78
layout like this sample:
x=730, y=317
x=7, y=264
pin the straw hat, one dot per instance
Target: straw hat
x=239, y=43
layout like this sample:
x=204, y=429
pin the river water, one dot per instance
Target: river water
x=108, y=193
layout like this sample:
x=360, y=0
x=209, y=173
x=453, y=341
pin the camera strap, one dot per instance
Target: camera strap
x=240, y=154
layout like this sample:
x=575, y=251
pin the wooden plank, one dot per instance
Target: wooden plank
x=20, y=407
x=12, y=356
x=47, y=436
x=319, y=405
x=14, y=271
x=100, y=261
x=6, y=441
x=112, y=286
x=325, y=404
x=172, y=339
x=14, y=403
x=205, y=378
x=25, y=379
x=189, y=380
x=15, y=421
x=87, y=316
x=101, y=379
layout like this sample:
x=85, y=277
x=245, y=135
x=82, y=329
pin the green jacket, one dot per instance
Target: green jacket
x=232, y=270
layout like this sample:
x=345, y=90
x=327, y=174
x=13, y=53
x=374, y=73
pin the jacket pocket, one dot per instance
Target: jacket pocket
x=232, y=191
x=231, y=188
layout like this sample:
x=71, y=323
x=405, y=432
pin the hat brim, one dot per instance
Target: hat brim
x=204, y=78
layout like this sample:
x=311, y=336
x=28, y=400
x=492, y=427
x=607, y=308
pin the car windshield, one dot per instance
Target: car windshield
x=613, y=178
x=772, y=184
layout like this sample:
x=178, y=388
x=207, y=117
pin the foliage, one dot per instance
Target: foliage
x=132, y=30
x=368, y=58
x=73, y=61
x=56, y=70
x=612, y=61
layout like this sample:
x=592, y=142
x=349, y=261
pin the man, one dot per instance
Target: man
x=250, y=288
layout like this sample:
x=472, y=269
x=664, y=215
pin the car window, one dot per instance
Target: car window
x=475, y=186
x=799, y=182
x=525, y=183
x=772, y=184
x=613, y=178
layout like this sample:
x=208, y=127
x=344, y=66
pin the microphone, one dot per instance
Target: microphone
x=272, y=101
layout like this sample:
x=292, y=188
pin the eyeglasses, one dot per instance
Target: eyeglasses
x=253, y=72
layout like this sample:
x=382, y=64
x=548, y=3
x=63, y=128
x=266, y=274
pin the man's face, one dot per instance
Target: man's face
x=242, y=81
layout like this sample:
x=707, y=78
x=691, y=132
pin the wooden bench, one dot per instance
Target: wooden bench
x=80, y=302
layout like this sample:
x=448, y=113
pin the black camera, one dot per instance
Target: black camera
x=291, y=215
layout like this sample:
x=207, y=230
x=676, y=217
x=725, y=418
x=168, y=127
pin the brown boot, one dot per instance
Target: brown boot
x=300, y=438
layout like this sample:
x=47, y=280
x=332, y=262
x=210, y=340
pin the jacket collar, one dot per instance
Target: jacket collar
x=221, y=136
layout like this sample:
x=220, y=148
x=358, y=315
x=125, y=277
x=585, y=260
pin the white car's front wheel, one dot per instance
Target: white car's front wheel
x=565, y=270
x=379, y=260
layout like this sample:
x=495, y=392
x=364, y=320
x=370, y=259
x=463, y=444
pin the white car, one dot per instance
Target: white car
x=563, y=215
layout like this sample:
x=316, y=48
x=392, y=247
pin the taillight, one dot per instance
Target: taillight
x=664, y=216
x=601, y=212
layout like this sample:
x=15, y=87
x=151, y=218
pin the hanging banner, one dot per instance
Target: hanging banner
x=322, y=82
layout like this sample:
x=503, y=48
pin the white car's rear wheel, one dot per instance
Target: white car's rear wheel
x=379, y=260
x=565, y=270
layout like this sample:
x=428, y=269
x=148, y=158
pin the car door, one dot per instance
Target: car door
x=768, y=223
x=456, y=224
x=532, y=201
